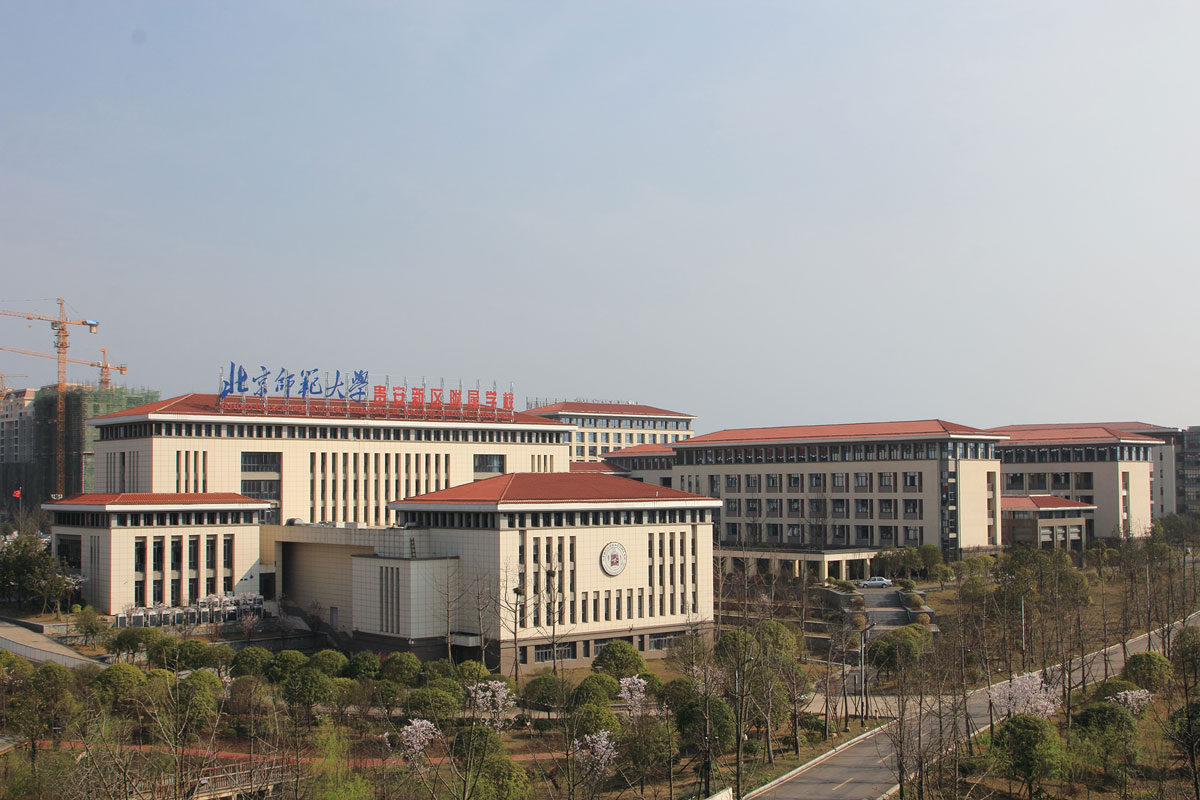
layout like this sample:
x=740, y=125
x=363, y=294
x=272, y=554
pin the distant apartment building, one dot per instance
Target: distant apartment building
x=835, y=494
x=1188, y=471
x=1095, y=464
x=30, y=426
x=16, y=426
x=601, y=428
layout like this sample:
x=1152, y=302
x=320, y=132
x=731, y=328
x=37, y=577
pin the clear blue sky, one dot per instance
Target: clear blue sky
x=759, y=213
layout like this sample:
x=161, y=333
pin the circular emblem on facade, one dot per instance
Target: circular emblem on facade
x=613, y=558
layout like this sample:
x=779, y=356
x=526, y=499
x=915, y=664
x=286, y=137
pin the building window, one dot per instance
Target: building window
x=489, y=463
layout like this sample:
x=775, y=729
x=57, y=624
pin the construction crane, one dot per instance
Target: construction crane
x=103, y=364
x=3, y=375
x=59, y=326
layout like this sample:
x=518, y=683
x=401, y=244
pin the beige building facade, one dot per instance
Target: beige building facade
x=319, y=461
x=524, y=567
x=1045, y=521
x=601, y=428
x=143, y=550
x=1092, y=464
x=835, y=488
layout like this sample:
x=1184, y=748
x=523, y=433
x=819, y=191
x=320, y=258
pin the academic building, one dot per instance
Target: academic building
x=1093, y=464
x=601, y=428
x=521, y=566
x=832, y=495
x=317, y=460
x=141, y=550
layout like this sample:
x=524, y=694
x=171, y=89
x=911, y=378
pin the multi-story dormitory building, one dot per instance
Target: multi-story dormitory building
x=601, y=428
x=834, y=494
x=1095, y=464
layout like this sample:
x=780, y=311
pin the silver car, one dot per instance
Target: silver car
x=876, y=582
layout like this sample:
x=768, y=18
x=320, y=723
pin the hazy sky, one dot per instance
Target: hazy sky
x=759, y=213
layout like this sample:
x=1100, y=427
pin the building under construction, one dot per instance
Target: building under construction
x=34, y=474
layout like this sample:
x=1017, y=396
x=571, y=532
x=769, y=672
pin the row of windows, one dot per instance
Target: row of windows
x=544, y=653
x=385, y=434
x=613, y=605
x=838, y=507
x=1011, y=454
x=816, y=481
x=649, y=424
x=892, y=451
x=1039, y=481
x=158, y=548
x=81, y=519
x=642, y=438
x=758, y=533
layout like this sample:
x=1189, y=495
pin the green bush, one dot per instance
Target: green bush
x=251, y=661
x=604, y=688
x=858, y=621
x=1113, y=686
x=1148, y=670
x=905, y=583
x=914, y=601
x=619, y=659
x=541, y=725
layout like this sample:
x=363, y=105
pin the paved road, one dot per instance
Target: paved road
x=37, y=647
x=864, y=770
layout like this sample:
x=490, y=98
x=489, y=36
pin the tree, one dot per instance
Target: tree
x=306, y=689
x=364, y=664
x=620, y=659
x=116, y=687
x=942, y=574
x=331, y=662
x=931, y=556
x=251, y=661
x=1030, y=749
x=403, y=668
x=285, y=664
x=598, y=688
x=1111, y=728
x=89, y=624
x=592, y=718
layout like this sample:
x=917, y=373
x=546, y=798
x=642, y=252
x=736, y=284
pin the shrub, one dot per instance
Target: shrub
x=858, y=621
x=541, y=725
x=285, y=664
x=251, y=661
x=364, y=664
x=905, y=583
x=331, y=662
x=921, y=619
x=913, y=601
x=608, y=686
x=592, y=718
x=858, y=603
x=1030, y=749
x=475, y=742
x=545, y=690
x=619, y=659
x=1148, y=670
x=1109, y=688
x=521, y=721
x=403, y=668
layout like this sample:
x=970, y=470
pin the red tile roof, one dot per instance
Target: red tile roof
x=1078, y=433
x=627, y=409
x=234, y=407
x=154, y=499
x=915, y=429
x=594, y=467
x=641, y=450
x=1042, y=502
x=550, y=487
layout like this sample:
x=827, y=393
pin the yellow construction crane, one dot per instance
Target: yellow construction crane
x=3, y=375
x=103, y=363
x=59, y=326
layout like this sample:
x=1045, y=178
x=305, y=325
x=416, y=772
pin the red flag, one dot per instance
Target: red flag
x=17, y=494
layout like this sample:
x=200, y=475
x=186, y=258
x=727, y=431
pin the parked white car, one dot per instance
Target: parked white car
x=876, y=582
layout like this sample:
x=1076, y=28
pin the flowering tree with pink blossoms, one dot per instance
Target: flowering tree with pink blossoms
x=471, y=749
x=1026, y=694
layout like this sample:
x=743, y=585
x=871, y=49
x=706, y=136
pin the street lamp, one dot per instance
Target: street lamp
x=862, y=670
